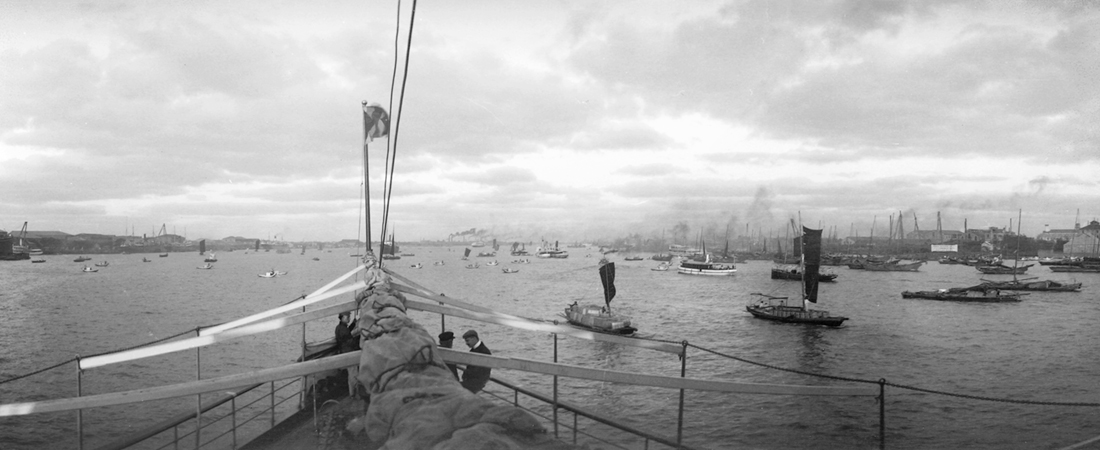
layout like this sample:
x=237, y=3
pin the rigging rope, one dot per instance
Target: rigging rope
x=395, y=125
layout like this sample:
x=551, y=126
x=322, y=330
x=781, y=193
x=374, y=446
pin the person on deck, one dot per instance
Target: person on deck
x=347, y=341
x=474, y=378
x=446, y=340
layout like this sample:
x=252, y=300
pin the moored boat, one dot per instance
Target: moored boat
x=893, y=266
x=973, y=294
x=995, y=269
x=1033, y=285
x=787, y=272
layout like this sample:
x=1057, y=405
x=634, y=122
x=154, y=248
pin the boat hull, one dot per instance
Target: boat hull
x=592, y=318
x=961, y=297
x=790, y=314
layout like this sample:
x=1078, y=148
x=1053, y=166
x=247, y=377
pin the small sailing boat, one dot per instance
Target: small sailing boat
x=600, y=318
x=778, y=309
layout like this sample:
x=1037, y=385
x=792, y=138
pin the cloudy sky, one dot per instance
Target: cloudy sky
x=571, y=120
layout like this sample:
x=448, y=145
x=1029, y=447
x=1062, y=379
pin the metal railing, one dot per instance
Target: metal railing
x=239, y=414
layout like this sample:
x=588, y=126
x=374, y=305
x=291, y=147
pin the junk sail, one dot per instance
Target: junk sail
x=607, y=276
x=811, y=263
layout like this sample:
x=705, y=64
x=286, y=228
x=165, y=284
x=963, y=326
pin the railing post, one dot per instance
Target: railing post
x=555, y=387
x=683, y=374
x=302, y=392
x=272, y=404
x=176, y=436
x=79, y=412
x=198, y=397
x=882, y=413
x=233, y=407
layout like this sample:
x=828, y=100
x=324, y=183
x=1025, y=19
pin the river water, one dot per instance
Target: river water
x=1042, y=349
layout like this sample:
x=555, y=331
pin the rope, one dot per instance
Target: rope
x=391, y=156
x=896, y=385
x=36, y=372
x=39, y=371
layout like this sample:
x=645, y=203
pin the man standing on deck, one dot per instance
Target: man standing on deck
x=446, y=340
x=474, y=378
x=347, y=341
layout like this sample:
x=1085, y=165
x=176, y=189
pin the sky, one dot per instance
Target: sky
x=557, y=120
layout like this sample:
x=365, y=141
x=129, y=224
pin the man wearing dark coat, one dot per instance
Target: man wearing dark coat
x=475, y=378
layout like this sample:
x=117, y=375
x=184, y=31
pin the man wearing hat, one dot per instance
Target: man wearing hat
x=446, y=339
x=475, y=378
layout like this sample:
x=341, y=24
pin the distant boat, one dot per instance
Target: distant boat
x=212, y=258
x=163, y=255
x=601, y=318
x=316, y=258
x=492, y=263
x=1032, y=284
x=508, y=270
x=892, y=267
x=706, y=267
x=271, y=274
x=102, y=264
x=777, y=308
x=633, y=258
x=206, y=266
x=438, y=263
x=519, y=249
x=662, y=257
x=417, y=266
x=473, y=266
x=82, y=259
x=662, y=267
x=89, y=269
x=38, y=260
x=787, y=272
x=144, y=259
x=1001, y=269
x=552, y=252
x=973, y=294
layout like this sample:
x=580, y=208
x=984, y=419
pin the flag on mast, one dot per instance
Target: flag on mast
x=376, y=122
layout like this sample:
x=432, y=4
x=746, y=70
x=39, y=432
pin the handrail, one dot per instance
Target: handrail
x=531, y=325
x=565, y=370
x=585, y=413
x=167, y=424
x=305, y=301
x=181, y=389
x=202, y=341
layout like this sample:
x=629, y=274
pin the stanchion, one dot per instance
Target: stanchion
x=882, y=413
x=555, y=388
x=683, y=374
x=198, y=397
x=79, y=412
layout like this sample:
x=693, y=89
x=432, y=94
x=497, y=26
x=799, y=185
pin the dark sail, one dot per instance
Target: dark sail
x=607, y=276
x=811, y=263
x=467, y=253
x=257, y=245
x=202, y=246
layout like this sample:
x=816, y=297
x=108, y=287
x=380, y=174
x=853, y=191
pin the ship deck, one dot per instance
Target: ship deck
x=299, y=431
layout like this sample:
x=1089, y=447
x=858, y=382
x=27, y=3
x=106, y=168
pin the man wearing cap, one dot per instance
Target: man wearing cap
x=475, y=378
x=446, y=339
x=347, y=340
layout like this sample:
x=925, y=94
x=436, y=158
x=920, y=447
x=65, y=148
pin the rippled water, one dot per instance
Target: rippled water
x=1041, y=349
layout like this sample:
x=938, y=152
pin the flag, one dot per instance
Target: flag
x=376, y=122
